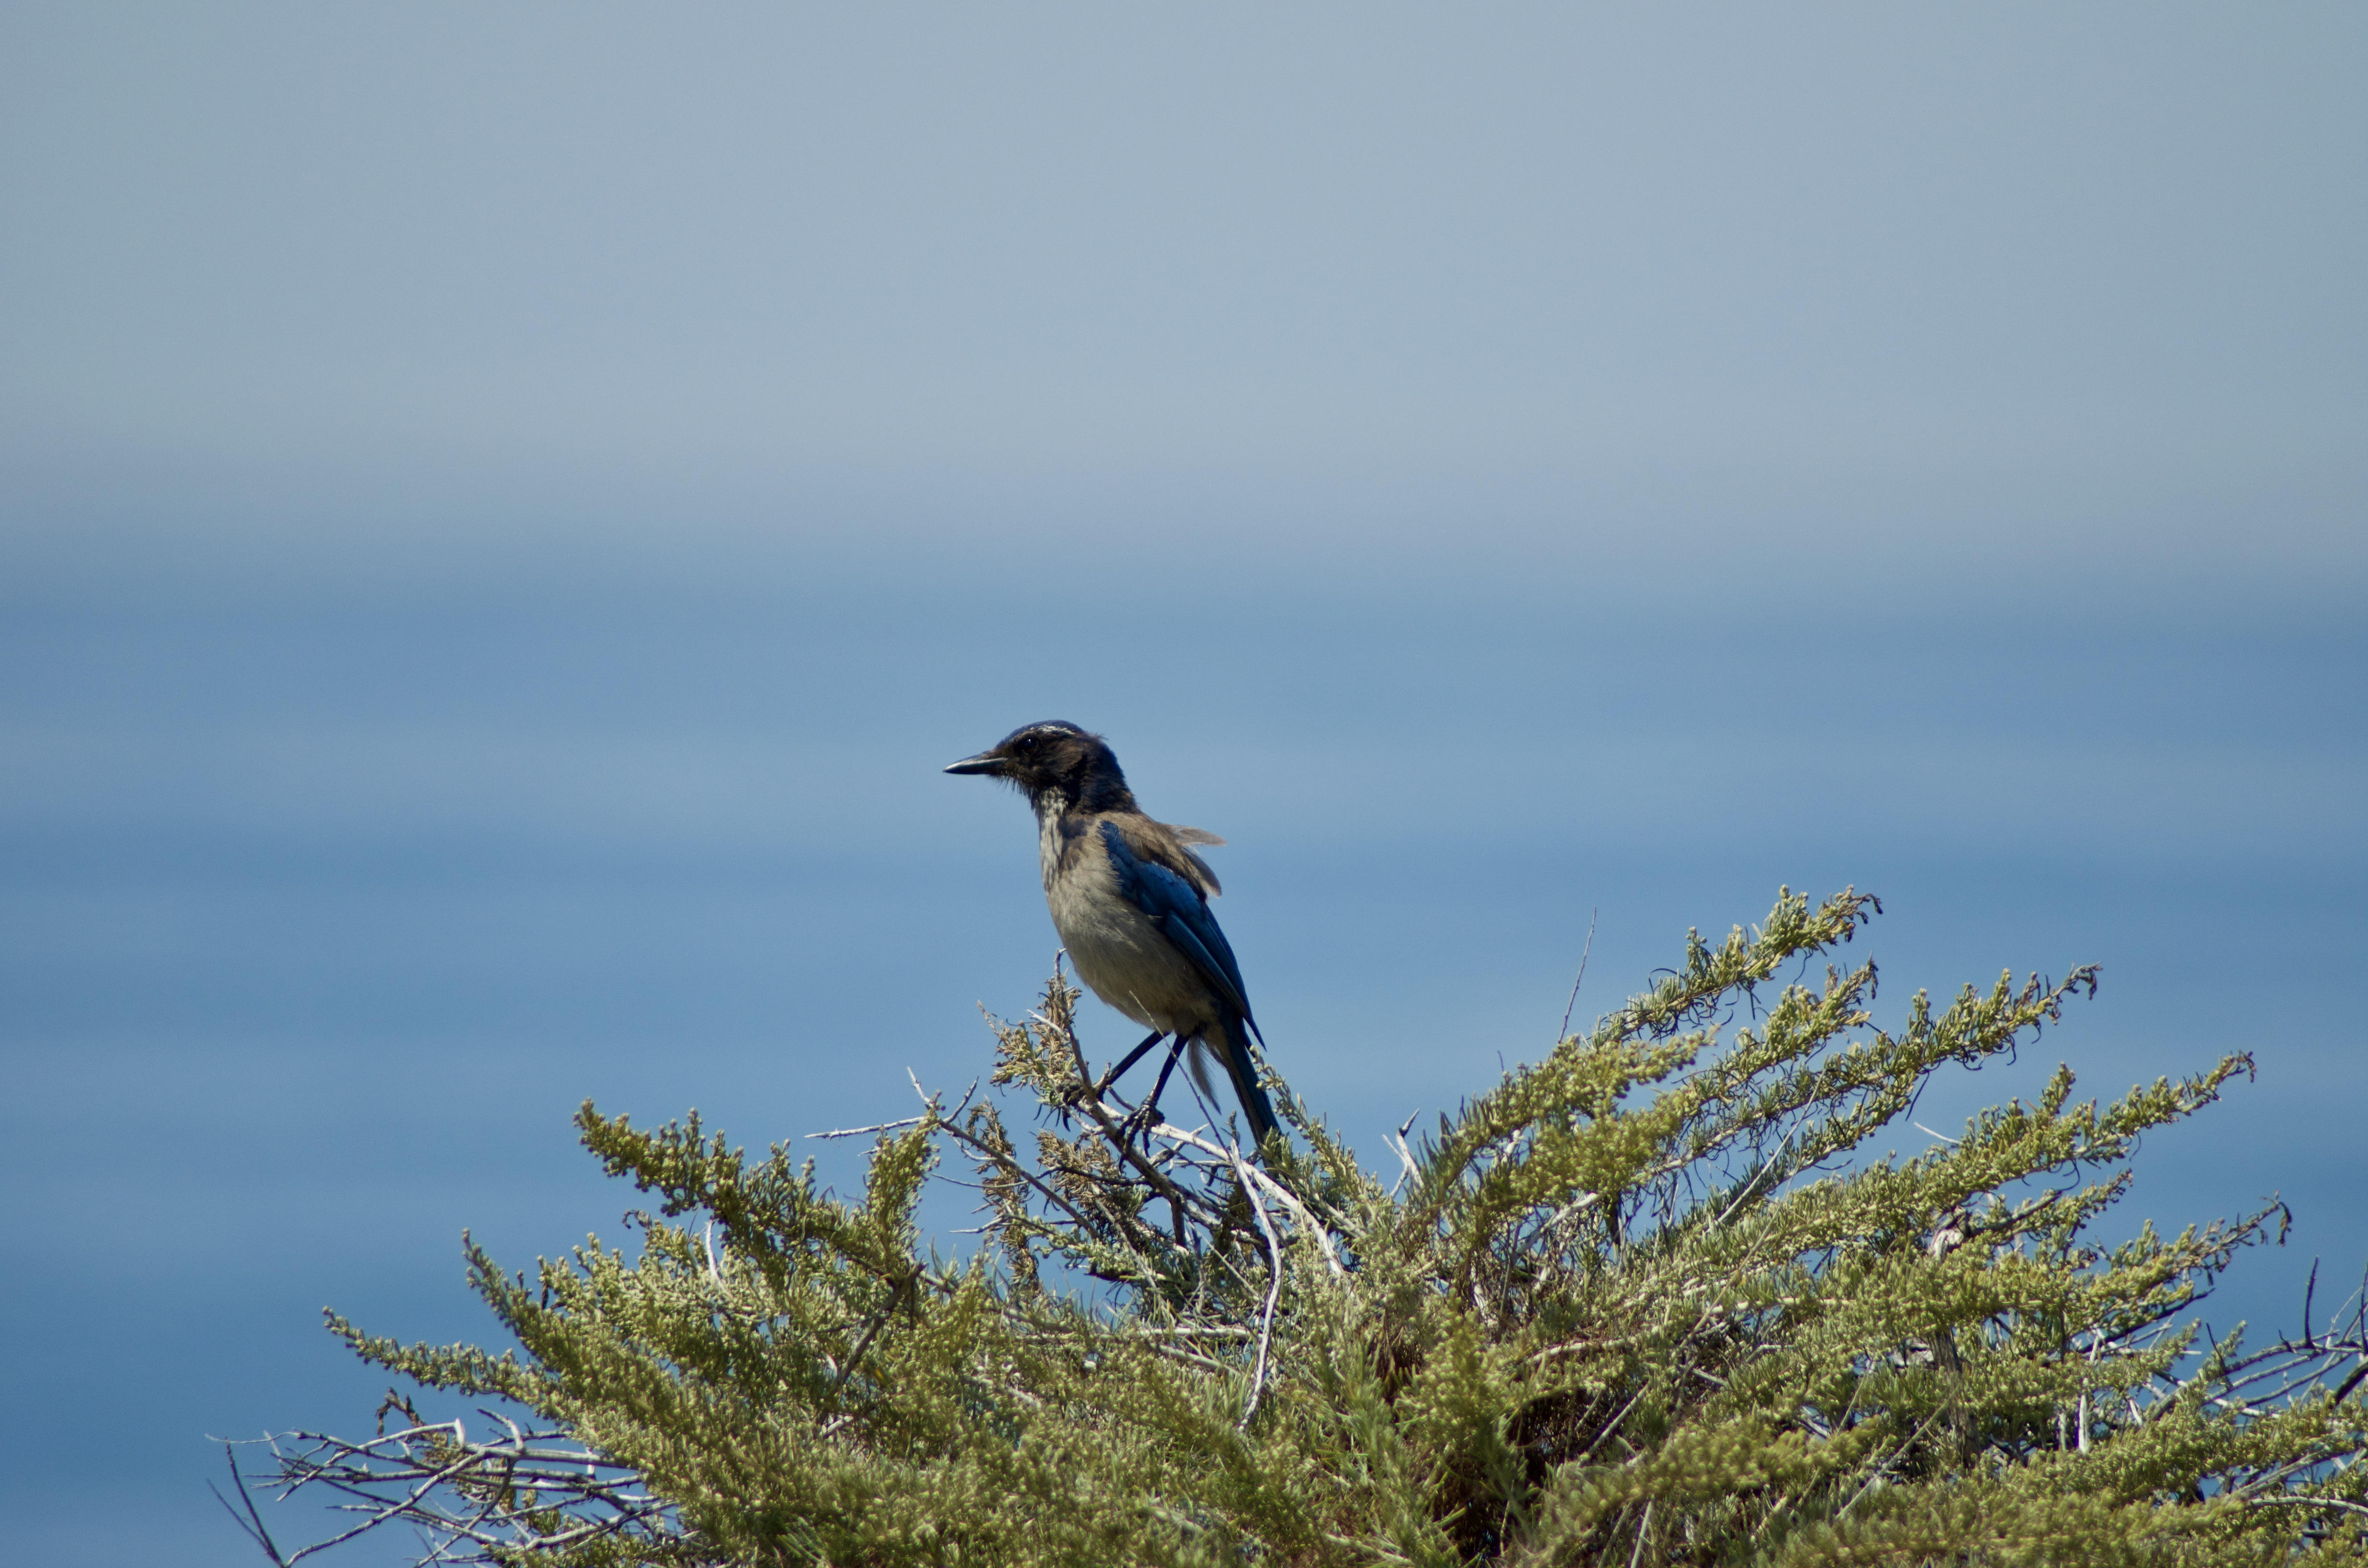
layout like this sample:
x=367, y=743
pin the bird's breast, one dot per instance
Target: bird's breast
x=1115, y=948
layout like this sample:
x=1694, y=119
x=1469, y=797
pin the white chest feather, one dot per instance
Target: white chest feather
x=1052, y=837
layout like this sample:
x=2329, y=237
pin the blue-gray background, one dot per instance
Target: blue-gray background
x=506, y=511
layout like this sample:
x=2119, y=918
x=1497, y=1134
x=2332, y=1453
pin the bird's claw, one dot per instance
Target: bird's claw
x=1142, y=1119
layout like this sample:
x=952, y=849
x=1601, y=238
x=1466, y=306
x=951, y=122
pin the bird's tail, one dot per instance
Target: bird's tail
x=1242, y=1068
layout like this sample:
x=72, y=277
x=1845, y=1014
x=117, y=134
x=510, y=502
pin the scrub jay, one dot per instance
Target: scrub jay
x=1130, y=901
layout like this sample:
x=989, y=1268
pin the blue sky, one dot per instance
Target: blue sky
x=504, y=513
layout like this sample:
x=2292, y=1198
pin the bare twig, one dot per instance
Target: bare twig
x=1004, y=1162
x=1273, y=1290
x=1573, y=1002
x=866, y=1132
x=1410, y=1172
x=251, y=1520
x=2308, y=1500
x=462, y=1492
x=1267, y=1184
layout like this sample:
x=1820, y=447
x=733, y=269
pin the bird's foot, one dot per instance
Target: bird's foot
x=1142, y=1119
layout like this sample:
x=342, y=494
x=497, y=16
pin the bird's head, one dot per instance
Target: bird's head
x=1055, y=761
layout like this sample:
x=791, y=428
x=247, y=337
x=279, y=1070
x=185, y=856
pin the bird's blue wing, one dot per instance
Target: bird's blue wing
x=1182, y=915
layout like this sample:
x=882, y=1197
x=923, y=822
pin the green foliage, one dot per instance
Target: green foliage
x=1648, y=1300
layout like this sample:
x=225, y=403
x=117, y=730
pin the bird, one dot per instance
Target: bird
x=1130, y=901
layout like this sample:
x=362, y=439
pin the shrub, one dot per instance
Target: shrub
x=1648, y=1300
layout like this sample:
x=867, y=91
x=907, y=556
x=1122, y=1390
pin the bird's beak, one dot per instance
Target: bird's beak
x=985, y=762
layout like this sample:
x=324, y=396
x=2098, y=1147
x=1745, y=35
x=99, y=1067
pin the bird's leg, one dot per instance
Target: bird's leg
x=1132, y=1057
x=1149, y=1113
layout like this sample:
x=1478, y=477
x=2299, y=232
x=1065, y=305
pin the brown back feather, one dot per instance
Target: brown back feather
x=1165, y=843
